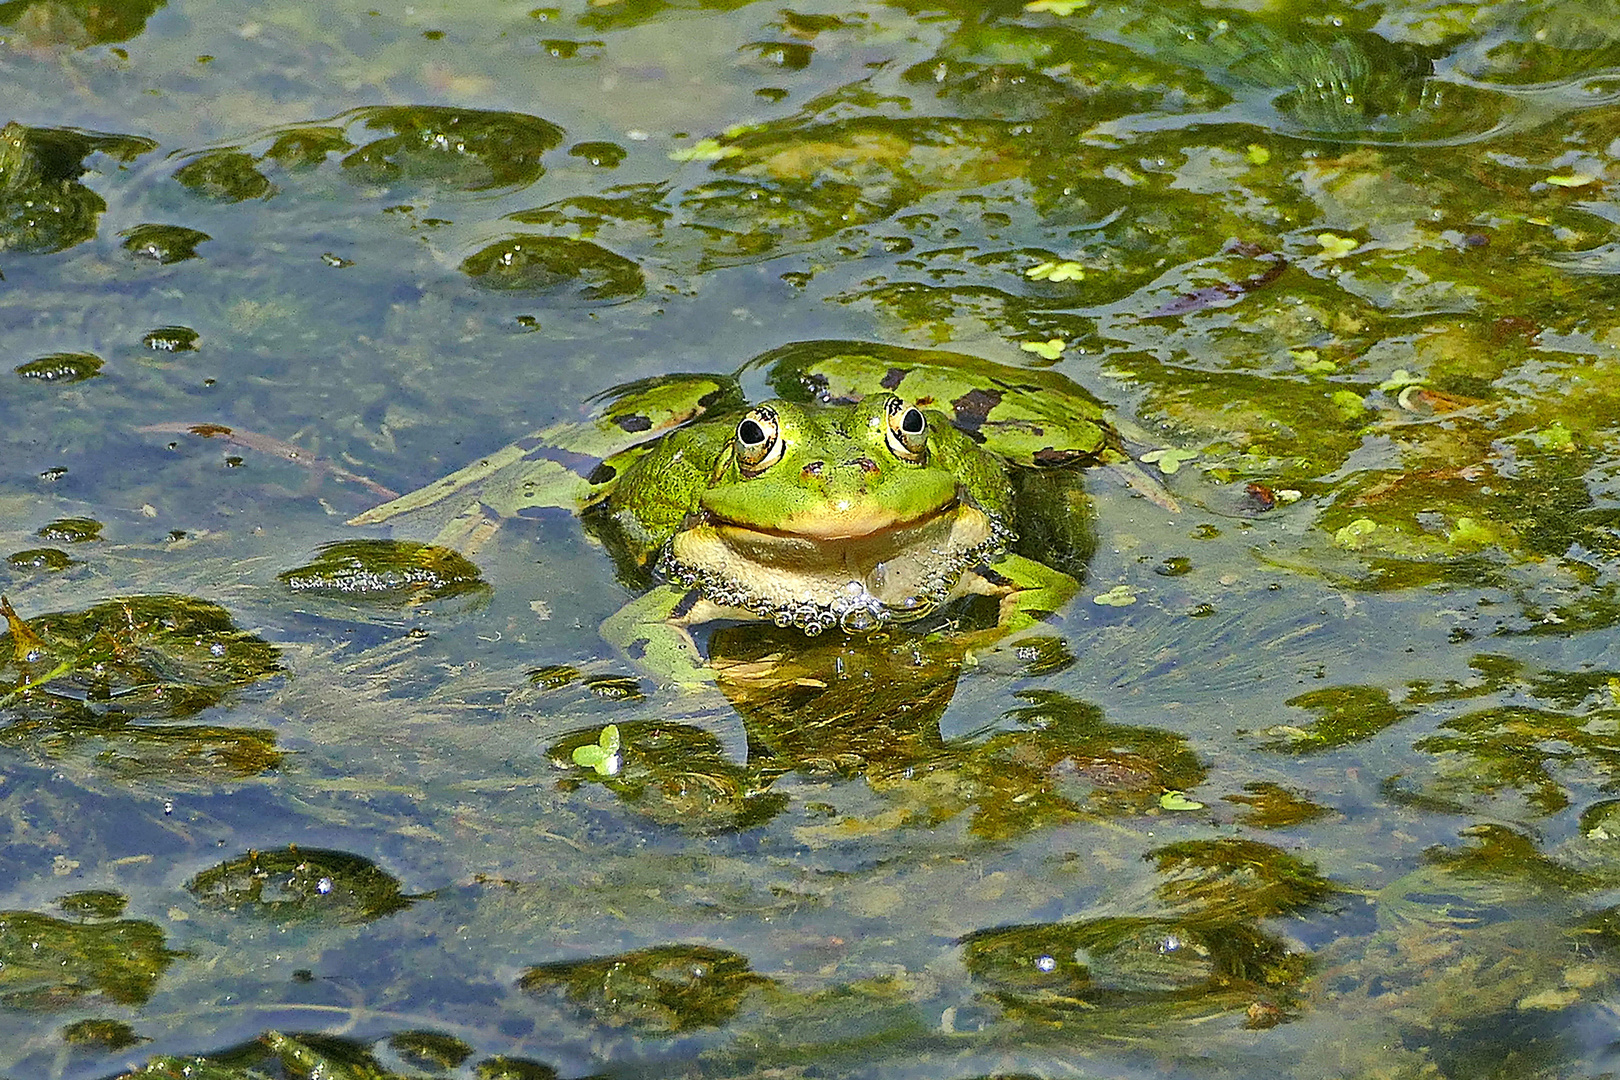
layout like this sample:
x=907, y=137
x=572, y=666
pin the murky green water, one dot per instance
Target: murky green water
x=1329, y=789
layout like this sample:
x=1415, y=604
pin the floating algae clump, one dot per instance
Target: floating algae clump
x=386, y=571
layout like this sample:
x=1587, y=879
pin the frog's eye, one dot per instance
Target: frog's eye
x=758, y=441
x=907, y=431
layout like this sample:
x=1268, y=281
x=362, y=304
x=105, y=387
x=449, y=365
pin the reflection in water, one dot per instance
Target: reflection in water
x=850, y=709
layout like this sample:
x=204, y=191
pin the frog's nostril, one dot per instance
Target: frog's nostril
x=814, y=468
x=865, y=464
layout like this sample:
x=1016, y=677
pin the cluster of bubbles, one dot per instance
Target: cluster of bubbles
x=366, y=581
x=855, y=610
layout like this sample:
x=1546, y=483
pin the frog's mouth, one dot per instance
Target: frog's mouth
x=847, y=502
x=836, y=521
x=893, y=569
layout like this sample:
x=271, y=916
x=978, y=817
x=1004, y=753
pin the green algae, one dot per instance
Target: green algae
x=224, y=176
x=465, y=148
x=49, y=560
x=659, y=990
x=62, y=367
x=163, y=243
x=547, y=264
x=53, y=964
x=44, y=205
x=391, y=572
x=293, y=884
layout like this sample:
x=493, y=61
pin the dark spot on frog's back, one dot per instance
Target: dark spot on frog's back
x=999, y=581
x=892, y=378
x=685, y=605
x=973, y=407
x=634, y=422
x=602, y=474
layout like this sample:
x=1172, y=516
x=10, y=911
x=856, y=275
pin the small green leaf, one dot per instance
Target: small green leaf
x=1118, y=596
x=1335, y=246
x=1046, y=350
x=1554, y=436
x=1309, y=361
x=1056, y=271
x=604, y=755
x=704, y=150
x=1349, y=404
x=1169, y=459
x=1258, y=155
x=1471, y=534
x=1571, y=180
x=1400, y=379
x=1352, y=534
x=1177, y=800
x=1057, y=7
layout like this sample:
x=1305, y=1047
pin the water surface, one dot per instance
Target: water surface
x=1328, y=790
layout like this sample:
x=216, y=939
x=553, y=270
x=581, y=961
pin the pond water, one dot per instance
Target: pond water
x=1317, y=776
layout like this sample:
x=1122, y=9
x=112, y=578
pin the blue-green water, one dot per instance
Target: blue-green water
x=1328, y=790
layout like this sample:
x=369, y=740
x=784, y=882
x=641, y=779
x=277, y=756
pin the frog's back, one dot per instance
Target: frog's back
x=656, y=492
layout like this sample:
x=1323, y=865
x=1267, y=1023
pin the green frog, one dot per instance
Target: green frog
x=880, y=485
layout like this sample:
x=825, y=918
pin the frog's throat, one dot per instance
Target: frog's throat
x=857, y=583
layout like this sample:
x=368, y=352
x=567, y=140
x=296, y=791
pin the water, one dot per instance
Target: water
x=1328, y=789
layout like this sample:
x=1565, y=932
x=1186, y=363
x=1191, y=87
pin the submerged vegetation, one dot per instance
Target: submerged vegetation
x=1317, y=775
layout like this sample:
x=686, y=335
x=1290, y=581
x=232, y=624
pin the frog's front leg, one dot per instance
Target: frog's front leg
x=652, y=630
x=1028, y=590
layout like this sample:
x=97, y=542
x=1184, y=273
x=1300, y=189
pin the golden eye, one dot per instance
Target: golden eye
x=758, y=442
x=906, y=431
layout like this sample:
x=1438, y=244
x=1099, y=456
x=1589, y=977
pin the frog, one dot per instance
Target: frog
x=879, y=486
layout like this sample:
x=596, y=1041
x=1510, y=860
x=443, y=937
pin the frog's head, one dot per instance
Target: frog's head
x=831, y=473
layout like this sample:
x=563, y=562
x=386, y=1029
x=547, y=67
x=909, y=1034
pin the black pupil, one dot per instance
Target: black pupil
x=912, y=422
x=750, y=433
